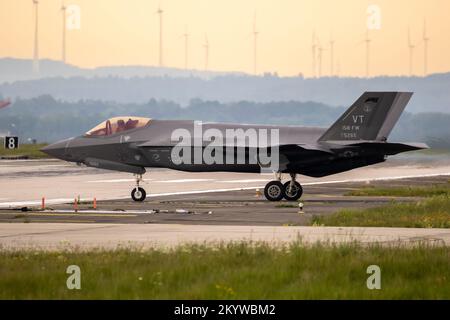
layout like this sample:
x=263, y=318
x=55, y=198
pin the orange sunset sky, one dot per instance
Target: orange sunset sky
x=126, y=32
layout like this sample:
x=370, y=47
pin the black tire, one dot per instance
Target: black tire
x=274, y=191
x=138, y=194
x=296, y=192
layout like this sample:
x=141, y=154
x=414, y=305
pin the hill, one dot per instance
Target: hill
x=137, y=84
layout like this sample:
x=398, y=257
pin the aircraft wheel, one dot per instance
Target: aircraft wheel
x=274, y=191
x=138, y=194
x=295, y=193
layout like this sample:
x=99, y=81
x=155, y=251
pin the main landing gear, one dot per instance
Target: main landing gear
x=275, y=190
x=138, y=193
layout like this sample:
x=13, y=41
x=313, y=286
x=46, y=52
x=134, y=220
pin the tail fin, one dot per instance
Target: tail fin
x=371, y=117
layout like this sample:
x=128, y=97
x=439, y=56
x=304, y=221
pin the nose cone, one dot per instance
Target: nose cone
x=57, y=149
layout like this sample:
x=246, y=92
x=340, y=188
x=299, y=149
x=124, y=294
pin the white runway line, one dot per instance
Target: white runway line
x=19, y=204
x=59, y=201
x=244, y=181
x=196, y=192
x=56, y=165
x=114, y=180
x=185, y=180
x=146, y=180
x=117, y=212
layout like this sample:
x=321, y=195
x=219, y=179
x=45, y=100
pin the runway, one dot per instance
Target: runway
x=241, y=206
x=24, y=183
x=219, y=208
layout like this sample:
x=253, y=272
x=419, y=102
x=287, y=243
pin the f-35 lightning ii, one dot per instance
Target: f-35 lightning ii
x=131, y=144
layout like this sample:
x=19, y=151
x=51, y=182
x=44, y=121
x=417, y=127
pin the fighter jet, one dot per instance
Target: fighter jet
x=132, y=144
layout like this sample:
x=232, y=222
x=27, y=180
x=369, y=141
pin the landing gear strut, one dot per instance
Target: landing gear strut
x=275, y=190
x=138, y=193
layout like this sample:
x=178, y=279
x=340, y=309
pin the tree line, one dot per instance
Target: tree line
x=47, y=119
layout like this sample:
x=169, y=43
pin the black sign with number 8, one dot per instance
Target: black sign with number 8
x=11, y=142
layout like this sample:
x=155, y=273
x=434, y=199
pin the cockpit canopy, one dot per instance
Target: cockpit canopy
x=116, y=125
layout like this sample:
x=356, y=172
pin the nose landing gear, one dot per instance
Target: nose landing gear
x=138, y=193
x=291, y=190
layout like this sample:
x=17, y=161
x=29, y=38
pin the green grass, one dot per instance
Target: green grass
x=434, y=190
x=30, y=150
x=431, y=212
x=233, y=271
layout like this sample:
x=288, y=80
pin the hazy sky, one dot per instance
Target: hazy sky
x=125, y=32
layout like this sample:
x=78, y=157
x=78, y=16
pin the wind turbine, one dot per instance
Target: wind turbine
x=320, y=50
x=36, y=41
x=185, y=35
x=367, y=40
x=63, y=12
x=338, y=68
x=411, y=47
x=160, y=13
x=425, y=39
x=255, y=37
x=332, y=55
x=206, y=46
x=313, y=48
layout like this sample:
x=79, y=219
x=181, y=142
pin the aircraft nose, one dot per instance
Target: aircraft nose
x=57, y=149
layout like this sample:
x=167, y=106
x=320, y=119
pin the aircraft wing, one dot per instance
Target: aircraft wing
x=304, y=148
x=387, y=148
x=314, y=160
